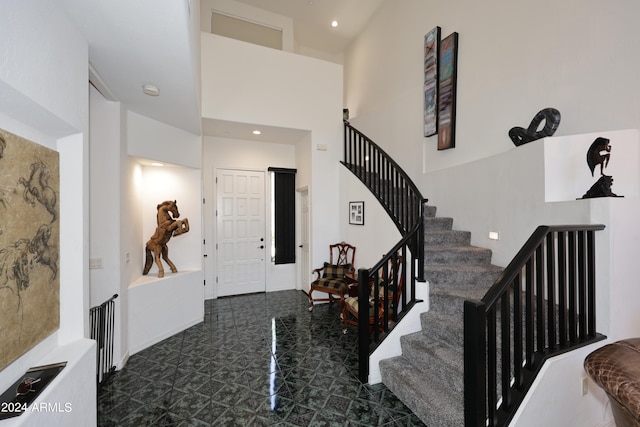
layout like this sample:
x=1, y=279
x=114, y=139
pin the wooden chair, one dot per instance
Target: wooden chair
x=394, y=277
x=335, y=277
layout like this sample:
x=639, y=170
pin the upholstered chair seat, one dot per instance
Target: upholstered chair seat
x=616, y=368
x=336, y=276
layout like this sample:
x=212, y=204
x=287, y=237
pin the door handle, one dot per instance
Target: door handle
x=300, y=246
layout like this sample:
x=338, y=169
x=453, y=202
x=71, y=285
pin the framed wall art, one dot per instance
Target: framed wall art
x=356, y=213
x=431, y=56
x=448, y=71
x=29, y=245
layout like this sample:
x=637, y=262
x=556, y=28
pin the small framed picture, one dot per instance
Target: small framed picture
x=356, y=213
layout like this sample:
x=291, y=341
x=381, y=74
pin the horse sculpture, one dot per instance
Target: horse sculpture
x=167, y=226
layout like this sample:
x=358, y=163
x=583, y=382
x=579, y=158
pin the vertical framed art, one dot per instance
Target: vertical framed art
x=447, y=76
x=431, y=56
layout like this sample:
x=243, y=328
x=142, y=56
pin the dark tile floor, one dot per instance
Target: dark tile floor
x=256, y=360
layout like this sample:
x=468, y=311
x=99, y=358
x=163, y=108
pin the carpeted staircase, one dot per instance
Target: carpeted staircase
x=428, y=376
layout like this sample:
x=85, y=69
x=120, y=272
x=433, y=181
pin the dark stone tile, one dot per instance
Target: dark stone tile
x=410, y=421
x=256, y=360
x=235, y=417
x=189, y=405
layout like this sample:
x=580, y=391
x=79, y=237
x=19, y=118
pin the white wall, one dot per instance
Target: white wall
x=104, y=197
x=105, y=210
x=514, y=60
x=378, y=226
x=44, y=89
x=225, y=153
x=250, y=84
x=154, y=140
x=560, y=402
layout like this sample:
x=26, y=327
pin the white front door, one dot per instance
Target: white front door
x=240, y=232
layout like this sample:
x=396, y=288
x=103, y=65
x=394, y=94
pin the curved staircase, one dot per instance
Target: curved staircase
x=428, y=376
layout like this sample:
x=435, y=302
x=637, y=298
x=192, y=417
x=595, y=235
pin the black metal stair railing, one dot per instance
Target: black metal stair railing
x=542, y=305
x=389, y=184
x=405, y=205
x=394, y=298
x=102, y=323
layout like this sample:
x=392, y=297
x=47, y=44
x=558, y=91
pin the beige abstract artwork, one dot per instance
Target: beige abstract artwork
x=29, y=245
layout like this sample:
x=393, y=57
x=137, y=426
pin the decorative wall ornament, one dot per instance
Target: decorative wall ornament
x=167, y=226
x=29, y=245
x=551, y=118
x=431, y=56
x=17, y=399
x=599, y=153
x=447, y=76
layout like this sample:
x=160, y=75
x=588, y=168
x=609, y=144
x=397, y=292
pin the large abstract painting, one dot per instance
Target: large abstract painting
x=29, y=245
x=447, y=77
x=431, y=56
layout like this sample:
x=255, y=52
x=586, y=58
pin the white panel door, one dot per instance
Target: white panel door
x=240, y=232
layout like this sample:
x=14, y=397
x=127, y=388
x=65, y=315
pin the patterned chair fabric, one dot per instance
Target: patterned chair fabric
x=395, y=277
x=334, y=278
x=616, y=368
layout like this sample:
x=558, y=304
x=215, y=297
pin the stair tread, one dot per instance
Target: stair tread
x=463, y=267
x=419, y=347
x=433, y=404
x=445, y=232
x=446, y=238
x=461, y=276
x=456, y=248
x=475, y=293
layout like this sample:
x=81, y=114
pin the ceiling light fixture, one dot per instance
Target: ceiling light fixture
x=151, y=90
x=157, y=164
x=256, y=132
x=334, y=24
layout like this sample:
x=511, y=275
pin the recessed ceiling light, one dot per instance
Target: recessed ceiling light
x=151, y=90
x=157, y=164
x=256, y=132
x=334, y=24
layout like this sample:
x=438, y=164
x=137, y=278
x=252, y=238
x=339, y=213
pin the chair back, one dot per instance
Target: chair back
x=395, y=273
x=342, y=253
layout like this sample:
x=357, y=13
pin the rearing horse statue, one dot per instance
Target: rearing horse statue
x=168, y=226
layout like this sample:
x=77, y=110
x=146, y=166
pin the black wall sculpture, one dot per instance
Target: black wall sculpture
x=599, y=153
x=551, y=117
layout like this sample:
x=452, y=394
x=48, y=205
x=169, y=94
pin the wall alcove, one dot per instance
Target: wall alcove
x=161, y=307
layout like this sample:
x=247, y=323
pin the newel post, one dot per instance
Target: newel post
x=475, y=364
x=363, y=325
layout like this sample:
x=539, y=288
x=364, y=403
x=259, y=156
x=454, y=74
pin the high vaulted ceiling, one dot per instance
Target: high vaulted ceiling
x=138, y=42
x=312, y=20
